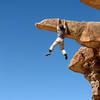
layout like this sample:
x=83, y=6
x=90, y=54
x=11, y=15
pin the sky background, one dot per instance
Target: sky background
x=25, y=73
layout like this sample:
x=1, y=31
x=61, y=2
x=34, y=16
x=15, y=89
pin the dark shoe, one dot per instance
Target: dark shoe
x=48, y=54
x=66, y=56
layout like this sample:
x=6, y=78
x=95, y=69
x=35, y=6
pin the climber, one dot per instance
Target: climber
x=61, y=30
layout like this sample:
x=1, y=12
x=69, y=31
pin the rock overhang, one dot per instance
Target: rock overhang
x=80, y=62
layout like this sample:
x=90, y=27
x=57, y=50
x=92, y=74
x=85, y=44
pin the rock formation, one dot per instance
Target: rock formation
x=85, y=33
x=92, y=3
x=87, y=60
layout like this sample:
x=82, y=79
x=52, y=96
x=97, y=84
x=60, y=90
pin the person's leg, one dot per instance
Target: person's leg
x=52, y=47
x=62, y=49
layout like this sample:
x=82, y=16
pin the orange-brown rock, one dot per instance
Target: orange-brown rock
x=80, y=59
x=87, y=60
x=85, y=33
x=92, y=3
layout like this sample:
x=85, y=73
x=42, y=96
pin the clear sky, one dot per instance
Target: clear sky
x=25, y=73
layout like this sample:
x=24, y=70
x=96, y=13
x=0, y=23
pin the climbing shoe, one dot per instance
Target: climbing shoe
x=66, y=56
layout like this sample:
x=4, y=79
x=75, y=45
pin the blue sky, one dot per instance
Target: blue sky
x=25, y=73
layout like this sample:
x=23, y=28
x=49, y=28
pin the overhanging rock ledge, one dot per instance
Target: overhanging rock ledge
x=87, y=60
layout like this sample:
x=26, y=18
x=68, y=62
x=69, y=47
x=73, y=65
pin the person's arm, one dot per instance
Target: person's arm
x=65, y=26
x=58, y=24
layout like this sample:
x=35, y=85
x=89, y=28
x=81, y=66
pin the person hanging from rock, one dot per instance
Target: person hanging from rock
x=61, y=30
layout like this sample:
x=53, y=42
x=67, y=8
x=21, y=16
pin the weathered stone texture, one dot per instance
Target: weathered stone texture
x=80, y=61
x=87, y=60
x=85, y=33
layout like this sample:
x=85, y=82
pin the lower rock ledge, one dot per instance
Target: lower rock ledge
x=87, y=61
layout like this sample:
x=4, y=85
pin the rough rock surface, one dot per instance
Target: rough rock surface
x=87, y=60
x=85, y=33
x=92, y=3
x=80, y=60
